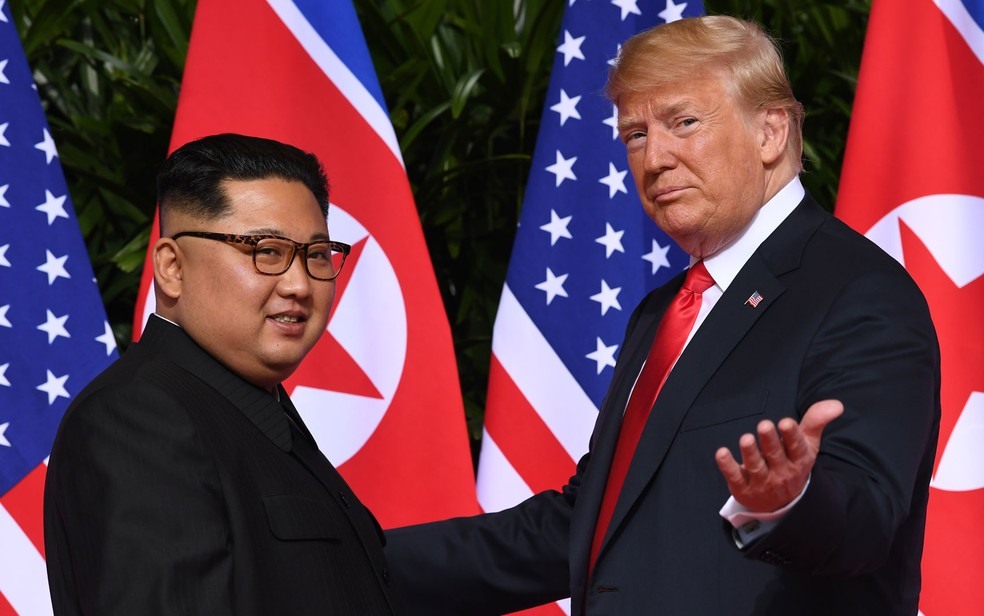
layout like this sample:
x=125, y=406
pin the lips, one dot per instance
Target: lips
x=667, y=193
x=290, y=321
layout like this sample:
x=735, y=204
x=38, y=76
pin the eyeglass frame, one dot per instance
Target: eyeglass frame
x=254, y=240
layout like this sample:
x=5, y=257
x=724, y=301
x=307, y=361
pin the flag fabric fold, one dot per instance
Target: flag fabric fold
x=54, y=336
x=380, y=390
x=585, y=254
x=912, y=182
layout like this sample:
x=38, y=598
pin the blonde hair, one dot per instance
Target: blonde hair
x=688, y=48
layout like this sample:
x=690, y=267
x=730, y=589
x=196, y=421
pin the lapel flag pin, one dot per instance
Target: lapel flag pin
x=754, y=299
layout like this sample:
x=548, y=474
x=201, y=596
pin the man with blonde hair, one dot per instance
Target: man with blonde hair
x=790, y=336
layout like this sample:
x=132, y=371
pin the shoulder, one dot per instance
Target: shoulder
x=136, y=399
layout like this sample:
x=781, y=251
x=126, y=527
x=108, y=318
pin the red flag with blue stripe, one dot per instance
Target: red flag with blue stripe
x=380, y=390
x=912, y=182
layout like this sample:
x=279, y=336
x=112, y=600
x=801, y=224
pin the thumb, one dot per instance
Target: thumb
x=818, y=416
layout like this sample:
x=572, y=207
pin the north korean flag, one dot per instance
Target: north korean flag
x=380, y=390
x=913, y=182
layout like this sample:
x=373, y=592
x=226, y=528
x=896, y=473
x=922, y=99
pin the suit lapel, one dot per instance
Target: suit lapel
x=725, y=327
x=605, y=434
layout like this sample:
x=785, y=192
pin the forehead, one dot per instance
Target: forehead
x=273, y=205
x=706, y=92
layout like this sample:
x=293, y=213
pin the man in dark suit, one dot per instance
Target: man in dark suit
x=182, y=480
x=806, y=346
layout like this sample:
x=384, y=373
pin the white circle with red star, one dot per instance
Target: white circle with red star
x=950, y=226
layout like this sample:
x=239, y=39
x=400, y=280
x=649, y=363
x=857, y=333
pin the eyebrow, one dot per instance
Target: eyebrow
x=659, y=111
x=317, y=236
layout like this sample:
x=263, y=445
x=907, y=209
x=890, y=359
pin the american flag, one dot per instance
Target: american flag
x=585, y=254
x=54, y=337
x=916, y=189
x=754, y=299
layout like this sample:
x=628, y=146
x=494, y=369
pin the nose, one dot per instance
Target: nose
x=659, y=154
x=296, y=282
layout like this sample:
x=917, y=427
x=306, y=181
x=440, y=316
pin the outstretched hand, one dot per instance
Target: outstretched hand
x=774, y=470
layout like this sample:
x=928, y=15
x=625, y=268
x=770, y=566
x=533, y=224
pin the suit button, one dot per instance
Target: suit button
x=341, y=497
x=386, y=577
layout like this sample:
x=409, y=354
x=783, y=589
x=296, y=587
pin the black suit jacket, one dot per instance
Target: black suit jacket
x=175, y=487
x=839, y=319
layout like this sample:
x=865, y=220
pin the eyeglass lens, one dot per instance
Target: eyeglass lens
x=274, y=256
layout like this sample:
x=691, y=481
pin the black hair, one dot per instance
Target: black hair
x=190, y=180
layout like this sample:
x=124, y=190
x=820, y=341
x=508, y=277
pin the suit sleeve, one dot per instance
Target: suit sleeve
x=876, y=351
x=494, y=563
x=488, y=564
x=135, y=512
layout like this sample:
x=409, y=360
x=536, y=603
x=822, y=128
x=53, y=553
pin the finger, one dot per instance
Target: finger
x=817, y=417
x=730, y=468
x=796, y=446
x=751, y=458
x=770, y=444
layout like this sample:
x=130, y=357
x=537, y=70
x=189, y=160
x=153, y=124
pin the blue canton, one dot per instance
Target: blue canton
x=54, y=337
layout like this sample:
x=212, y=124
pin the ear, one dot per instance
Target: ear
x=774, y=135
x=168, y=268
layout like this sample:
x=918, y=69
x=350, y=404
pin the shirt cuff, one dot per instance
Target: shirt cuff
x=750, y=525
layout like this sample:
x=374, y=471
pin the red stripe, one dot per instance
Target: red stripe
x=24, y=503
x=520, y=433
x=551, y=609
x=5, y=608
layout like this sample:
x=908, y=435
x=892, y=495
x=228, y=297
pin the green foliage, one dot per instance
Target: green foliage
x=108, y=74
x=465, y=81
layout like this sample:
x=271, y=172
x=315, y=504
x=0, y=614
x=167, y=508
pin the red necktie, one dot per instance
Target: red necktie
x=671, y=335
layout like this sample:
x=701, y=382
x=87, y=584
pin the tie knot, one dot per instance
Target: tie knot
x=698, y=278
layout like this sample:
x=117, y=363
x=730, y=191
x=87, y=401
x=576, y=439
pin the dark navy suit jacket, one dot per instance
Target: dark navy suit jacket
x=839, y=319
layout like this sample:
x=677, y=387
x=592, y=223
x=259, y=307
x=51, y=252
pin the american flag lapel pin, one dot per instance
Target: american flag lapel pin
x=754, y=299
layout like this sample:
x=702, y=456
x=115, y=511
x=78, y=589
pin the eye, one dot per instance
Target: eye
x=687, y=122
x=271, y=250
x=319, y=252
x=266, y=250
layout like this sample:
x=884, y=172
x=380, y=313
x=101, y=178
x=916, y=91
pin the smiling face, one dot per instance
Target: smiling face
x=258, y=326
x=702, y=164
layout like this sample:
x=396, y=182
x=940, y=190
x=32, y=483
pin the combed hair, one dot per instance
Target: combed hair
x=190, y=180
x=680, y=50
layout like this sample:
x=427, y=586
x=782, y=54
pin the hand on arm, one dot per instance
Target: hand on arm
x=775, y=469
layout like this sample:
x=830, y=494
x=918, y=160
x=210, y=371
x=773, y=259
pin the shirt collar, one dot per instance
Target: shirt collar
x=725, y=265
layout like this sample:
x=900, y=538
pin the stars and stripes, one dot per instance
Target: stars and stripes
x=585, y=255
x=54, y=337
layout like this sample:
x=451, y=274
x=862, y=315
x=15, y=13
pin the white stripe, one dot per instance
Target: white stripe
x=542, y=377
x=338, y=73
x=499, y=486
x=23, y=579
x=961, y=19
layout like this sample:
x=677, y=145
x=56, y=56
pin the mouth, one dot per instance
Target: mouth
x=667, y=193
x=288, y=318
